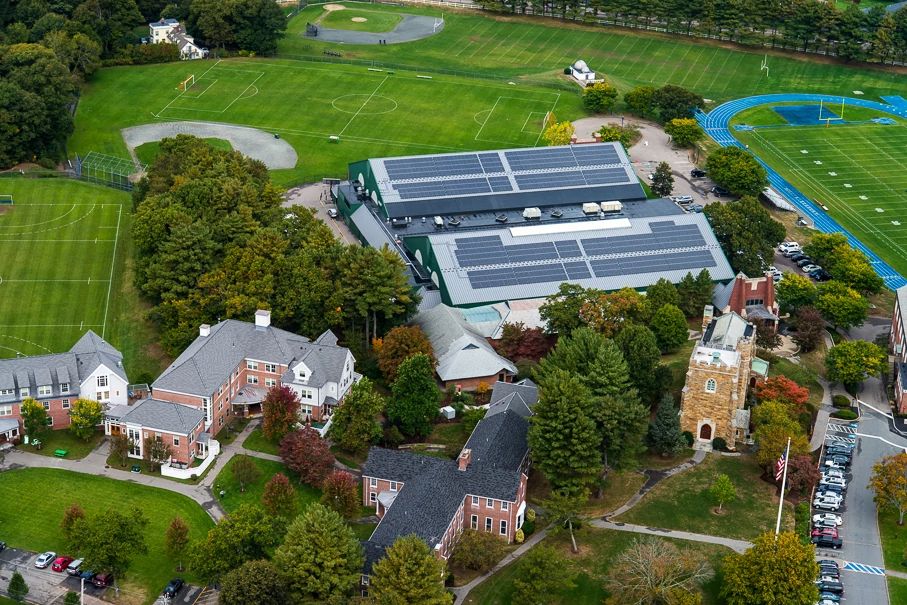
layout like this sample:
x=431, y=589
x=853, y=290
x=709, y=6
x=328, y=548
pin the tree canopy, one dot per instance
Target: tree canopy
x=889, y=482
x=408, y=573
x=775, y=570
x=746, y=232
x=354, y=426
x=685, y=132
x=399, y=344
x=737, y=171
x=415, y=396
x=599, y=97
x=852, y=361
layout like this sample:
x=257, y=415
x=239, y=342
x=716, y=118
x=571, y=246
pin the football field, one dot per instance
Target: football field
x=857, y=170
x=58, y=243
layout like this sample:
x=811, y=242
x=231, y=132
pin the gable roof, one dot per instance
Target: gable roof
x=461, y=352
x=164, y=416
x=901, y=294
x=726, y=331
x=518, y=397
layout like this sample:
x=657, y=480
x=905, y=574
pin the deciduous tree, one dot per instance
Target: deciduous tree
x=341, y=493
x=794, y=292
x=561, y=311
x=156, y=452
x=258, y=582
x=783, y=389
x=355, y=426
x=478, y=550
x=685, y=132
x=280, y=411
x=670, y=328
x=415, y=397
x=34, y=417
x=609, y=312
x=72, y=514
x=675, y=102
x=662, y=293
x=851, y=361
x=625, y=135
x=810, y=329
x=737, y=171
x=246, y=534
x=889, y=482
x=722, y=490
x=176, y=540
x=320, y=558
x=662, y=180
x=777, y=569
x=84, y=417
x=409, y=573
x=665, y=435
x=244, y=471
x=118, y=447
x=641, y=100
x=279, y=497
x=559, y=133
x=802, y=474
x=519, y=342
x=639, y=347
x=746, y=232
x=772, y=441
x=543, y=572
x=841, y=305
x=563, y=508
x=651, y=570
x=306, y=454
x=599, y=97
x=397, y=346
x=111, y=539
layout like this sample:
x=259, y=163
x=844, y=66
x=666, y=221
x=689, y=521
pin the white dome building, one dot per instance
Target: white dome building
x=581, y=72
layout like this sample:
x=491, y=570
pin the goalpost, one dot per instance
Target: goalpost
x=186, y=84
x=764, y=66
x=6, y=199
x=828, y=118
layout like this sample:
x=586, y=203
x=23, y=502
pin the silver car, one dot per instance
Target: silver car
x=45, y=559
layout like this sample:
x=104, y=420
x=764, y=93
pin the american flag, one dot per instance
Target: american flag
x=779, y=467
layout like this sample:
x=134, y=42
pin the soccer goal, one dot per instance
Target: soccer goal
x=186, y=84
x=6, y=199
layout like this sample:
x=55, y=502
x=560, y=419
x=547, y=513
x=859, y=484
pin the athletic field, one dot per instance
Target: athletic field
x=854, y=167
x=58, y=242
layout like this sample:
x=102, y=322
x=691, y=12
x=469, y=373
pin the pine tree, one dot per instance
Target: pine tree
x=686, y=292
x=662, y=180
x=665, y=436
x=408, y=573
x=661, y=293
x=17, y=588
x=640, y=350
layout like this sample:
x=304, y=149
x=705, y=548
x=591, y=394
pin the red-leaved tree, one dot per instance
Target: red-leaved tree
x=519, y=342
x=280, y=409
x=307, y=454
x=279, y=497
x=802, y=474
x=785, y=390
x=341, y=492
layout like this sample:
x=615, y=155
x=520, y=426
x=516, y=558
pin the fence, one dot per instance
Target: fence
x=107, y=170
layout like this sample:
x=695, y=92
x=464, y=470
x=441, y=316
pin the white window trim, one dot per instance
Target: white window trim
x=373, y=482
x=503, y=527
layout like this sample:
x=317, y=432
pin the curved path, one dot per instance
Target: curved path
x=411, y=27
x=255, y=143
x=717, y=124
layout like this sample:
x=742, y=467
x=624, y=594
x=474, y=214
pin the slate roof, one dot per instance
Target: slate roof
x=72, y=367
x=461, y=353
x=901, y=294
x=518, y=397
x=164, y=416
x=208, y=361
x=373, y=553
x=726, y=331
x=499, y=440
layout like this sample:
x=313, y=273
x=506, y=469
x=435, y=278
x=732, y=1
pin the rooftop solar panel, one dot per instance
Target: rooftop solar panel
x=652, y=263
x=589, y=155
x=500, y=184
x=540, y=158
x=577, y=270
x=546, y=180
x=605, y=176
x=491, y=162
x=464, y=186
x=568, y=249
x=681, y=236
x=530, y=252
x=432, y=166
x=540, y=273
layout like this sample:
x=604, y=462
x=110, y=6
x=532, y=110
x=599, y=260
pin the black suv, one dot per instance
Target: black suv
x=697, y=173
x=173, y=587
x=827, y=542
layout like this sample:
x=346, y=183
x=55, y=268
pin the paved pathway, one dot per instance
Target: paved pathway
x=736, y=545
x=654, y=478
x=461, y=592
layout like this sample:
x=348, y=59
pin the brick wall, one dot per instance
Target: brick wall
x=381, y=485
x=471, y=384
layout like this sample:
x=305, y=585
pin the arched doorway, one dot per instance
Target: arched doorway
x=705, y=432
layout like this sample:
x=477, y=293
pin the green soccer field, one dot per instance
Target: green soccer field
x=859, y=171
x=374, y=113
x=58, y=243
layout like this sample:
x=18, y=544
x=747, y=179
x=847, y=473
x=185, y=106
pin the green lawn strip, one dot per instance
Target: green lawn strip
x=363, y=531
x=897, y=590
x=63, y=439
x=232, y=431
x=802, y=375
x=683, y=501
x=375, y=21
x=652, y=460
x=599, y=549
x=453, y=435
x=146, y=152
x=257, y=442
x=145, y=468
x=344, y=457
x=894, y=541
x=233, y=498
x=42, y=495
x=619, y=487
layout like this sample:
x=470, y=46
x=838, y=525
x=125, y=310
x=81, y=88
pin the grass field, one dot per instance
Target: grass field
x=373, y=113
x=34, y=522
x=859, y=171
x=513, y=46
x=374, y=20
x=234, y=498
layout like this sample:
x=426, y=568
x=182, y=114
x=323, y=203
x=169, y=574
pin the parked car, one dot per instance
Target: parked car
x=173, y=587
x=836, y=463
x=832, y=481
x=828, y=563
x=820, y=275
x=682, y=199
x=833, y=489
x=823, y=504
x=810, y=268
x=805, y=261
x=696, y=208
x=829, y=597
x=102, y=580
x=73, y=568
x=830, y=572
x=830, y=586
x=827, y=542
x=697, y=173
x=788, y=247
x=332, y=212
x=797, y=257
x=719, y=191
x=824, y=524
x=45, y=559
x=840, y=448
x=824, y=531
x=833, y=472
x=61, y=563
x=87, y=575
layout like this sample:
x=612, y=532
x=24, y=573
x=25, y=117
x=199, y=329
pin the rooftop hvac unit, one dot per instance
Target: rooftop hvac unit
x=530, y=213
x=611, y=206
x=439, y=222
x=591, y=208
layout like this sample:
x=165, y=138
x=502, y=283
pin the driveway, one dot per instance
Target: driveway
x=318, y=197
x=44, y=585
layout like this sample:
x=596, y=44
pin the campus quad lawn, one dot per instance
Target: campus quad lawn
x=234, y=498
x=539, y=49
x=859, y=171
x=897, y=590
x=598, y=551
x=374, y=113
x=42, y=495
x=64, y=439
x=683, y=501
x=375, y=21
x=257, y=442
x=894, y=541
x=802, y=375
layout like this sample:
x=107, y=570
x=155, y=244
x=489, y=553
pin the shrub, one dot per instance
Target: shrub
x=528, y=527
x=840, y=401
x=519, y=536
x=688, y=437
x=478, y=550
x=719, y=444
x=802, y=521
x=845, y=414
x=530, y=514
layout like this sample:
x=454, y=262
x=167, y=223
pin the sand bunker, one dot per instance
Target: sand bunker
x=334, y=7
x=358, y=19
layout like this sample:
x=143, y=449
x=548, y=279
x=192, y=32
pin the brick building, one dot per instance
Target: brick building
x=179, y=426
x=722, y=368
x=229, y=368
x=898, y=348
x=752, y=298
x=436, y=499
x=91, y=369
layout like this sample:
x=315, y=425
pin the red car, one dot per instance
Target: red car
x=61, y=563
x=831, y=532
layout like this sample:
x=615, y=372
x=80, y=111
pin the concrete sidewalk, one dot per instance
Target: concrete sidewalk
x=736, y=545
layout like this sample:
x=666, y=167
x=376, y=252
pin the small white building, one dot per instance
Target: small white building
x=170, y=30
x=581, y=72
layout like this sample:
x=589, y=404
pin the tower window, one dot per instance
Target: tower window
x=711, y=386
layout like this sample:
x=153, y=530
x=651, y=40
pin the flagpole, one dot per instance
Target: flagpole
x=783, y=484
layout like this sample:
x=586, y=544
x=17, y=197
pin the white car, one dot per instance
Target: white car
x=826, y=504
x=833, y=464
x=833, y=472
x=810, y=268
x=833, y=481
x=832, y=496
x=836, y=519
x=45, y=559
x=788, y=248
x=682, y=199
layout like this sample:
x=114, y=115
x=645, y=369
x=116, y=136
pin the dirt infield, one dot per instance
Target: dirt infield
x=255, y=143
x=412, y=27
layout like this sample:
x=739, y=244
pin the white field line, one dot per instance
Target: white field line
x=49, y=325
x=51, y=281
x=207, y=88
x=56, y=218
x=542, y=131
x=490, y=113
x=240, y=95
x=184, y=92
x=113, y=263
x=361, y=107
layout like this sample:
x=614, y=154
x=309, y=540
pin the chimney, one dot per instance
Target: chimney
x=464, y=459
x=262, y=318
x=204, y=330
x=707, y=313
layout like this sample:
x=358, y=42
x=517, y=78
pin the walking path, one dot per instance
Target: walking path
x=654, y=478
x=461, y=591
x=736, y=545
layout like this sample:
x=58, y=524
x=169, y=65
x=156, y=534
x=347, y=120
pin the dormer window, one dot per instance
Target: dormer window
x=44, y=391
x=711, y=385
x=102, y=381
x=64, y=387
x=23, y=393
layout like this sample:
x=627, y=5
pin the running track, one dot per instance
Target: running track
x=717, y=125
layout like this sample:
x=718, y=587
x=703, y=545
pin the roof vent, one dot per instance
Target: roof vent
x=716, y=357
x=204, y=330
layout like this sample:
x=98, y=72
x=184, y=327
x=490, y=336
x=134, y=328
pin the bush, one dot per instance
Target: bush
x=530, y=514
x=519, y=536
x=845, y=414
x=688, y=437
x=802, y=522
x=528, y=526
x=840, y=401
x=719, y=444
x=477, y=550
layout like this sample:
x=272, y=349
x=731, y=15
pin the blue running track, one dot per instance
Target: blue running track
x=717, y=125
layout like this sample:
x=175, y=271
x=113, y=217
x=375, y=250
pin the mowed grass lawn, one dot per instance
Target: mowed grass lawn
x=57, y=245
x=894, y=541
x=598, y=551
x=859, y=171
x=683, y=501
x=514, y=46
x=233, y=498
x=38, y=497
x=897, y=590
x=369, y=20
x=374, y=113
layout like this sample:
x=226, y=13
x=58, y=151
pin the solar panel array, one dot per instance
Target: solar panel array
x=478, y=173
x=581, y=259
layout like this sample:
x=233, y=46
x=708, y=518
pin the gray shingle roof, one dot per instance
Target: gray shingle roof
x=726, y=331
x=373, y=553
x=461, y=353
x=902, y=305
x=164, y=416
x=518, y=397
x=499, y=440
